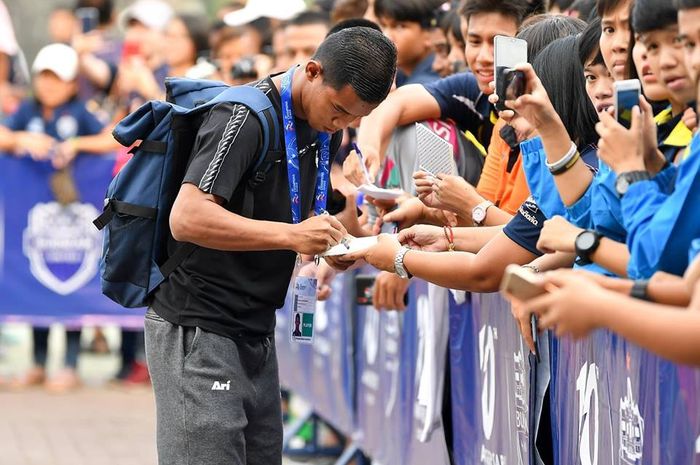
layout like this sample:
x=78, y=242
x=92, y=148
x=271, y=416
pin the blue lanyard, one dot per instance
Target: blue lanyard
x=290, y=142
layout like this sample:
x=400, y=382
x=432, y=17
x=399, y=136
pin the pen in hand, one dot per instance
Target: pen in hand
x=362, y=163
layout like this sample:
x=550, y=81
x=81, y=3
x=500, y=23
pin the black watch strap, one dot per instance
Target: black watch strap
x=584, y=254
x=639, y=289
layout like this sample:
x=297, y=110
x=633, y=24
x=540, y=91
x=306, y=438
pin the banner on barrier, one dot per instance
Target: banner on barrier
x=491, y=384
x=322, y=373
x=49, y=253
x=615, y=403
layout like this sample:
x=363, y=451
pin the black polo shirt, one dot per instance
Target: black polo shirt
x=235, y=294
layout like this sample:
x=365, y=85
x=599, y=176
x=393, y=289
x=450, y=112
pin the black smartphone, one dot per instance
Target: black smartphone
x=364, y=290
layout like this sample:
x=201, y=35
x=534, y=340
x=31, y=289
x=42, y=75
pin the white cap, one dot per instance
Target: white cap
x=154, y=14
x=255, y=9
x=61, y=59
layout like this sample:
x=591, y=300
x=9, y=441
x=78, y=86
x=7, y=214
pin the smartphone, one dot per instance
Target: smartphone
x=626, y=95
x=88, y=17
x=507, y=53
x=364, y=290
x=521, y=283
x=524, y=285
x=514, y=83
x=129, y=50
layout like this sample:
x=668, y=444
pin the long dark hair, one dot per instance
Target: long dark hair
x=568, y=96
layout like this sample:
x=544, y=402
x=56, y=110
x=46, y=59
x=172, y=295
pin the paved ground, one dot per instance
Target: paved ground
x=99, y=424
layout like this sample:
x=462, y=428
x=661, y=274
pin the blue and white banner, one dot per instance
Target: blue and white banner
x=615, y=403
x=49, y=253
x=323, y=372
x=491, y=383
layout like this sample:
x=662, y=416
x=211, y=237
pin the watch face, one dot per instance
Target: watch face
x=585, y=240
x=478, y=214
x=622, y=184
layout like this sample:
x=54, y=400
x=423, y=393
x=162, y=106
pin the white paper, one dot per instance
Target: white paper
x=380, y=193
x=434, y=153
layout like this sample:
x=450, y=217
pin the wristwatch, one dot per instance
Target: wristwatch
x=479, y=212
x=398, y=263
x=625, y=180
x=586, y=243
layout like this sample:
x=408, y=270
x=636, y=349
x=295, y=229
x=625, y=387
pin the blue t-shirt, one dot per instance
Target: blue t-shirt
x=525, y=226
x=422, y=74
x=462, y=101
x=71, y=119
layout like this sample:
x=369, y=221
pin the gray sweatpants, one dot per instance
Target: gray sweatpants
x=217, y=400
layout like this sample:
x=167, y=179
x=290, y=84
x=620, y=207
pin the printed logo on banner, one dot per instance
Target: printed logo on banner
x=62, y=245
x=521, y=401
x=631, y=429
x=587, y=388
x=487, y=364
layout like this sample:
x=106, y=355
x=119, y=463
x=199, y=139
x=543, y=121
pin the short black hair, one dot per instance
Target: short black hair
x=198, y=29
x=308, y=17
x=652, y=15
x=414, y=11
x=603, y=7
x=451, y=24
x=541, y=30
x=568, y=96
x=585, y=9
x=687, y=4
x=515, y=9
x=105, y=9
x=360, y=57
x=589, y=44
x=562, y=4
x=354, y=22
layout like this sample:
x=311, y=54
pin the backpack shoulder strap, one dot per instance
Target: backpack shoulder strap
x=258, y=102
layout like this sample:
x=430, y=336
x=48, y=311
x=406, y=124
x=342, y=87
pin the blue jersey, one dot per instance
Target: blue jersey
x=422, y=74
x=661, y=226
x=71, y=119
x=461, y=101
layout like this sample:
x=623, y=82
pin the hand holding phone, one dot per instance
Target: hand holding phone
x=521, y=283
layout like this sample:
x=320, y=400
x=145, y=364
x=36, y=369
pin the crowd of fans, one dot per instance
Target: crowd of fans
x=552, y=182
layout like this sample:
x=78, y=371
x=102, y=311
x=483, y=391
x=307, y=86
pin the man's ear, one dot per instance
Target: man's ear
x=313, y=70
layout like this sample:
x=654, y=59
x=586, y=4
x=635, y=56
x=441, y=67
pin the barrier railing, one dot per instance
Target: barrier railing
x=608, y=401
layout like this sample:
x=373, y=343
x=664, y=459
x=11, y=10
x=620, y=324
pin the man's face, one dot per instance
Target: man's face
x=479, y=32
x=327, y=109
x=667, y=60
x=653, y=88
x=412, y=42
x=689, y=29
x=615, y=39
x=301, y=42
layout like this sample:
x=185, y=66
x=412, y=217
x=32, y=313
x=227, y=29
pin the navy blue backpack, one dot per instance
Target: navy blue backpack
x=135, y=258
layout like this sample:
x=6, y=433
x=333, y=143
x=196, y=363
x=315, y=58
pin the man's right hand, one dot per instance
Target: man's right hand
x=316, y=234
x=352, y=169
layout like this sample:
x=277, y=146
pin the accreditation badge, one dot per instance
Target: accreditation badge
x=303, y=310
